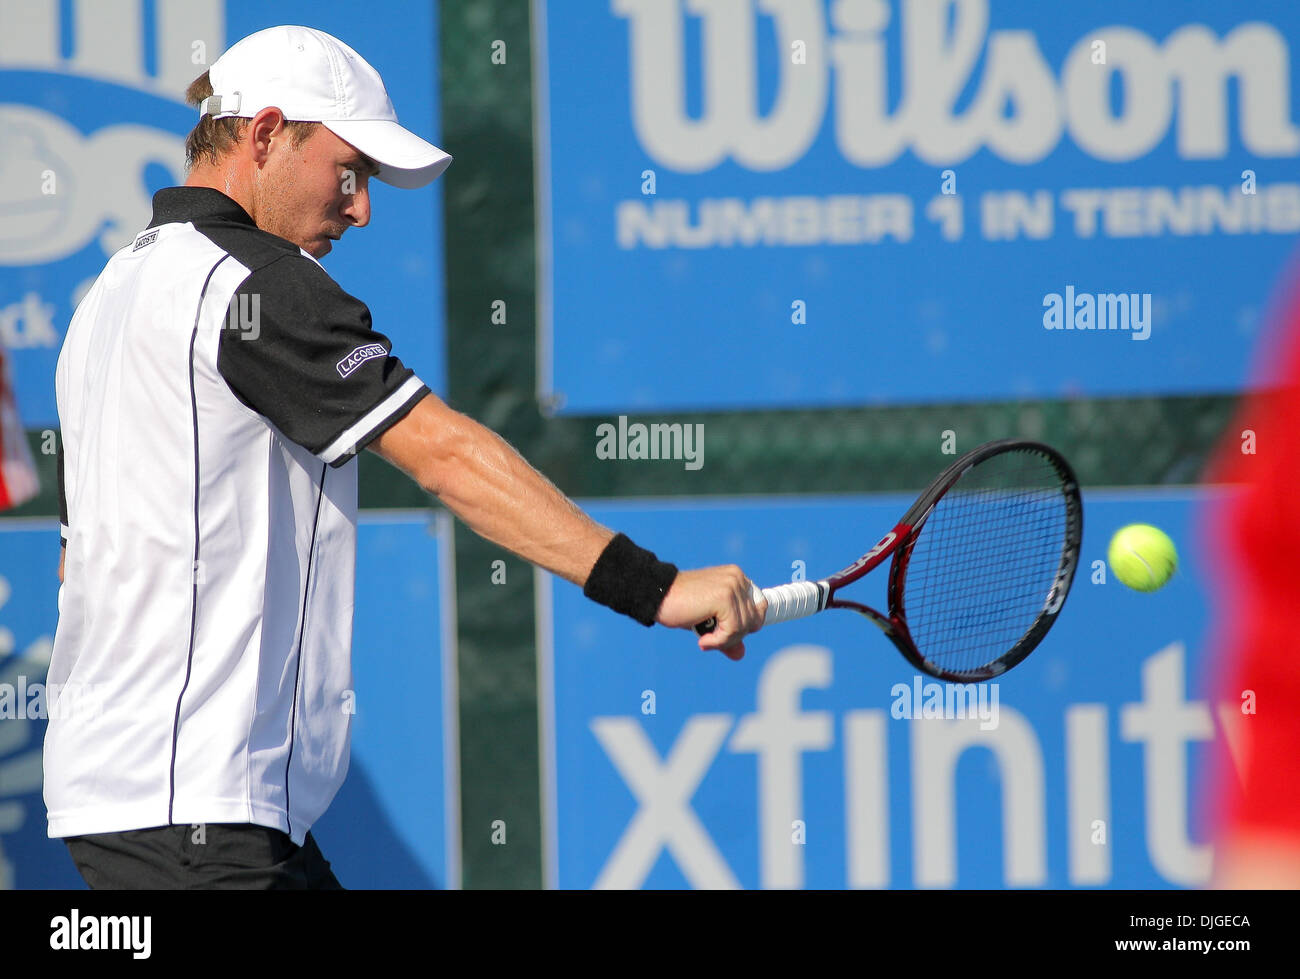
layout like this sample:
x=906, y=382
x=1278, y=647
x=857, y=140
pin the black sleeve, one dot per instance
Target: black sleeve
x=63, y=493
x=300, y=351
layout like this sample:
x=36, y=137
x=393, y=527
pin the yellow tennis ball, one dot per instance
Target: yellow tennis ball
x=1142, y=557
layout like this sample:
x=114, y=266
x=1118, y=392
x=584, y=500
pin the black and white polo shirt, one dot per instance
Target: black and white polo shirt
x=214, y=388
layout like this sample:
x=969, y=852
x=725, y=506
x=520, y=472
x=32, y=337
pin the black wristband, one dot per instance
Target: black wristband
x=630, y=579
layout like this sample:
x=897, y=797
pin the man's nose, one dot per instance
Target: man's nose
x=358, y=205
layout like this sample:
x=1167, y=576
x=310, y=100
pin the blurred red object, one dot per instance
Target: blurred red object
x=18, y=482
x=1255, y=536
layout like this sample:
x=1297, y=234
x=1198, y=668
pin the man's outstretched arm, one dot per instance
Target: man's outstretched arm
x=493, y=489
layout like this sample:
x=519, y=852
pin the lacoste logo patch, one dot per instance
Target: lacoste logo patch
x=145, y=240
x=367, y=351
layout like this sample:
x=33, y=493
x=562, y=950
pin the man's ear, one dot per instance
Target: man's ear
x=262, y=128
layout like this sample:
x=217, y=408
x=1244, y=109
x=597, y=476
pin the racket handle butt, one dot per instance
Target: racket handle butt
x=711, y=623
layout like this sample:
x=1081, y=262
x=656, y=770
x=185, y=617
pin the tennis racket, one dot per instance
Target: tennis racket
x=982, y=564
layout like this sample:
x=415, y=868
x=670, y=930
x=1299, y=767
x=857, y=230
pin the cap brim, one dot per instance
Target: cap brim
x=405, y=160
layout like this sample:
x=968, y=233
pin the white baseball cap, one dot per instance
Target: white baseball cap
x=311, y=76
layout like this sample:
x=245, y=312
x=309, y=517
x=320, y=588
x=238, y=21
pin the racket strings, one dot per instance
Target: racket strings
x=984, y=564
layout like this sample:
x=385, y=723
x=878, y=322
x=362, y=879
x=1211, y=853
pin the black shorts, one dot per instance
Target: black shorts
x=208, y=856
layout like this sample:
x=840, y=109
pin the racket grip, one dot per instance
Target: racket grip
x=795, y=600
x=784, y=602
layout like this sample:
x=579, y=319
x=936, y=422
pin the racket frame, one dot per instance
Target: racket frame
x=900, y=541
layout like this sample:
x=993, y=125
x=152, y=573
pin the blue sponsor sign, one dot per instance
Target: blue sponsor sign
x=395, y=821
x=95, y=121
x=812, y=203
x=29, y=588
x=816, y=761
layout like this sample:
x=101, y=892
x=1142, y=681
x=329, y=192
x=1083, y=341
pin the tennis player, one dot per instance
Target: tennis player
x=214, y=389
x=1254, y=797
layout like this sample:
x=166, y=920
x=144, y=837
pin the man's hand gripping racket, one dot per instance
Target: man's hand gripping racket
x=982, y=564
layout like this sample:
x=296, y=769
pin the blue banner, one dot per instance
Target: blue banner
x=808, y=203
x=822, y=760
x=29, y=590
x=95, y=120
x=395, y=821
